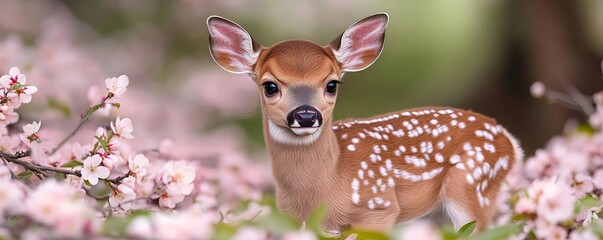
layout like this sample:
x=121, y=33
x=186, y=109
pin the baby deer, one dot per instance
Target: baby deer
x=371, y=172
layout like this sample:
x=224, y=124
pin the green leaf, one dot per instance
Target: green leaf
x=72, y=164
x=586, y=128
x=315, y=221
x=224, y=231
x=597, y=227
x=467, y=229
x=115, y=226
x=501, y=232
x=25, y=175
x=587, y=201
x=87, y=183
x=59, y=106
x=117, y=105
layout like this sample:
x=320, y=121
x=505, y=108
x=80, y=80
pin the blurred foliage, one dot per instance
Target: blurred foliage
x=436, y=52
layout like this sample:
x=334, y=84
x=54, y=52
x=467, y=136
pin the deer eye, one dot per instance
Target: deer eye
x=332, y=86
x=270, y=89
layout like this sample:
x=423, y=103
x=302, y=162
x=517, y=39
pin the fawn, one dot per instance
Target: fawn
x=372, y=172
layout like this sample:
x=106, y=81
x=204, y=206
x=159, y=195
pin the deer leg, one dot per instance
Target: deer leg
x=377, y=220
x=461, y=194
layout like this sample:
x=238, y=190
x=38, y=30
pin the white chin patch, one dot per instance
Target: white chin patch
x=293, y=136
x=304, y=131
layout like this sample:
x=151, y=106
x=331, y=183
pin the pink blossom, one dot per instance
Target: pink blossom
x=589, y=215
x=171, y=197
x=92, y=170
x=598, y=178
x=525, y=206
x=40, y=153
x=138, y=164
x=250, y=233
x=122, y=128
x=14, y=77
x=550, y=232
x=583, y=184
x=180, y=174
x=141, y=228
x=192, y=223
x=586, y=234
x=122, y=197
x=556, y=202
x=32, y=128
x=11, y=197
x=299, y=235
x=420, y=230
x=117, y=86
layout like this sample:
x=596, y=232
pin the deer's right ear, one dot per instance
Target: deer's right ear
x=231, y=46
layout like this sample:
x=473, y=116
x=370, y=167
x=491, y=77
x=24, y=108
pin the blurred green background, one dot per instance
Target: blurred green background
x=475, y=54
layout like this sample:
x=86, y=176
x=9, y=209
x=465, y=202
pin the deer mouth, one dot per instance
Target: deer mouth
x=291, y=135
x=300, y=130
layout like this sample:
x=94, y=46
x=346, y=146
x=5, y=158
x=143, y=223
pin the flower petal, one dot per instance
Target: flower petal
x=93, y=179
x=102, y=172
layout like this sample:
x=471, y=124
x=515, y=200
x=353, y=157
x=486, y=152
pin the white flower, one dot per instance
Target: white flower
x=92, y=170
x=14, y=76
x=180, y=174
x=123, y=128
x=420, y=230
x=138, y=164
x=117, y=86
x=26, y=92
x=122, y=197
x=556, y=201
x=32, y=128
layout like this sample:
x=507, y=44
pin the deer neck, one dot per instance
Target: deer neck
x=307, y=168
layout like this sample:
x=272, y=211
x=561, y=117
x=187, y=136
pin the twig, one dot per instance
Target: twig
x=82, y=121
x=12, y=174
x=37, y=168
x=42, y=170
x=118, y=180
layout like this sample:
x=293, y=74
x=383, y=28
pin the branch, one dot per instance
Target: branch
x=38, y=169
x=118, y=180
x=82, y=121
x=12, y=174
x=43, y=170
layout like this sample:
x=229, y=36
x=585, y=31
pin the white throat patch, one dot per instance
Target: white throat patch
x=285, y=136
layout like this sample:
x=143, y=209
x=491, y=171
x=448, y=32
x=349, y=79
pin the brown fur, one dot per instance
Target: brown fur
x=348, y=163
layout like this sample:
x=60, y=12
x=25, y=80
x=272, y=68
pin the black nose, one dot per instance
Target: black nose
x=304, y=116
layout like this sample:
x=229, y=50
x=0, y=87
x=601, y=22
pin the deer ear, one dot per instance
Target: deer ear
x=231, y=46
x=360, y=45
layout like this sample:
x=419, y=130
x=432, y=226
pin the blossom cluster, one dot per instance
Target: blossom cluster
x=103, y=187
x=76, y=189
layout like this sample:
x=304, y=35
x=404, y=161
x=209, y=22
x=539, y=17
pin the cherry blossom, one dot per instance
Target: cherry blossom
x=122, y=128
x=14, y=77
x=171, y=197
x=31, y=129
x=180, y=175
x=92, y=171
x=138, y=164
x=117, y=86
x=122, y=196
x=420, y=230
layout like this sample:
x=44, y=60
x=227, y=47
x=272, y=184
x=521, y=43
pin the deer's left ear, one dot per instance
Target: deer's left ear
x=360, y=45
